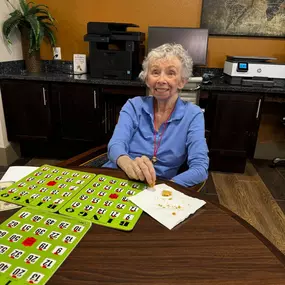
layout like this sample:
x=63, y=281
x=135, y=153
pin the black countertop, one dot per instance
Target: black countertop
x=62, y=77
x=217, y=84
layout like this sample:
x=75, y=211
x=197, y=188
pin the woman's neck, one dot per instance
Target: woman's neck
x=164, y=106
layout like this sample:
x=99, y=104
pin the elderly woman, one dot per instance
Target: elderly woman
x=156, y=134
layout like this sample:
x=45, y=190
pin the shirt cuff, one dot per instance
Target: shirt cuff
x=179, y=181
x=115, y=152
x=191, y=177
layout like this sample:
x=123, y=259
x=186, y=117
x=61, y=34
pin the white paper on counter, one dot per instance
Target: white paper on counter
x=169, y=211
x=15, y=173
x=5, y=206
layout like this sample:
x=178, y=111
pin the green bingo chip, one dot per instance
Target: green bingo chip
x=34, y=243
x=105, y=201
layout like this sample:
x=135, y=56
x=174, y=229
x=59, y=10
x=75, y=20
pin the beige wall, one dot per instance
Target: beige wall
x=73, y=16
x=15, y=51
x=7, y=54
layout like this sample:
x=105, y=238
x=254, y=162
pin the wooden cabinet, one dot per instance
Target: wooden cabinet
x=27, y=110
x=73, y=117
x=234, y=128
x=77, y=112
x=62, y=119
x=114, y=98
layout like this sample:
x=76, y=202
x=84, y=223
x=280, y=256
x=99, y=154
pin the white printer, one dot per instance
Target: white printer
x=254, y=71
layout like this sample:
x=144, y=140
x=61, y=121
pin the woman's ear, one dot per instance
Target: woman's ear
x=182, y=83
x=146, y=82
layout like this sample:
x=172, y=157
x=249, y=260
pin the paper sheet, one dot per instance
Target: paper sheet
x=15, y=173
x=169, y=211
x=4, y=206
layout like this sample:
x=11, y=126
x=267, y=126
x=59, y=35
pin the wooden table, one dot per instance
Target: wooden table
x=214, y=246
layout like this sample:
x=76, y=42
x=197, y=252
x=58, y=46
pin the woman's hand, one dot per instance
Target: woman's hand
x=140, y=168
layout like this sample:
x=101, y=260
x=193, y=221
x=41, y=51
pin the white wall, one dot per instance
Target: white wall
x=3, y=133
x=13, y=52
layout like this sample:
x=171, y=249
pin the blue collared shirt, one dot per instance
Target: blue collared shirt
x=183, y=138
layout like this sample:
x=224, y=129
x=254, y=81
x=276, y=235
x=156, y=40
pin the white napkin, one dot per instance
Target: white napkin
x=169, y=211
x=15, y=173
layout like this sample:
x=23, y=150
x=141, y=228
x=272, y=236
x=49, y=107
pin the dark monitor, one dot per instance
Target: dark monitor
x=194, y=40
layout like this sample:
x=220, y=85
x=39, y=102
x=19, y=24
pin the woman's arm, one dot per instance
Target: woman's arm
x=139, y=168
x=198, y=160
x=124, y=131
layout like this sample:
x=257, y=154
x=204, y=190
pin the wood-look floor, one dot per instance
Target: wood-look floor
x=247, y=196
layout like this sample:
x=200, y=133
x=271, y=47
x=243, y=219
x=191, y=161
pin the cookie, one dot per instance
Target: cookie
x=166, y=193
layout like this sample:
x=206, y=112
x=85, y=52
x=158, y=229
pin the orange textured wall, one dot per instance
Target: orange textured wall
x=73, y=16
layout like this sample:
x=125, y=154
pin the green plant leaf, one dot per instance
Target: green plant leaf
x=41, y=36
x=36, y=19
x=51, y=25
x=37, y=9
x=37, y=6
x=46, y=19
x=47, y=13
x=32, y=42
x=16, y=13
x=11, y=23
x=48, y=25
x=51, y=37
x=35, y=25
x=24, y=6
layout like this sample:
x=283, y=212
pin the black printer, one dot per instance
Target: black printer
x=114, y=52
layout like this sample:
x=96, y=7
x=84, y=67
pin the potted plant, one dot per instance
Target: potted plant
x=35, y=24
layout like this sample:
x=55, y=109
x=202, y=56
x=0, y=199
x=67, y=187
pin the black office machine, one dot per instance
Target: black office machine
x=114, y=52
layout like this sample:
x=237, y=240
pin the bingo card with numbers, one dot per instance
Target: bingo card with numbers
x=105, y=201
x=48, y=187
x=34, y=243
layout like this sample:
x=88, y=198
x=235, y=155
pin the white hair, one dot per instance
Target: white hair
x=167, y=51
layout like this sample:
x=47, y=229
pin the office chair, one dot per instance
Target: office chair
x=278, y=161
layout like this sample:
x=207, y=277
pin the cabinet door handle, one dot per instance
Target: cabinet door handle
x=258, y=108
x=44, y=96
x=95, y=99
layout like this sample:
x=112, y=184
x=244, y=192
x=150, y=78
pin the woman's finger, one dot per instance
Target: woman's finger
x=150, y=168
x=146, y=172
x=131, y=172
x=138, y=170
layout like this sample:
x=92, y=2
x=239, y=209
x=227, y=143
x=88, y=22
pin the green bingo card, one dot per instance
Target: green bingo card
x=34, y=243
x=48, y=187
x=105, y=201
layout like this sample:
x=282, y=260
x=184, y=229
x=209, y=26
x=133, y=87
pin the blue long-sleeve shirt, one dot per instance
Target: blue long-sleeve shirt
x=183, y=138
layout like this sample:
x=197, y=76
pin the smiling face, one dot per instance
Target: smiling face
x=164, y=78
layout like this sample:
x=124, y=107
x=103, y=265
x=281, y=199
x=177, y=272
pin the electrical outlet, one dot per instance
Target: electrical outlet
x=56, y=53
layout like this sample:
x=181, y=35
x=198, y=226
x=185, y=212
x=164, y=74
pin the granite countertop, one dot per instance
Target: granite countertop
x=217, y=84
x=64, y=77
